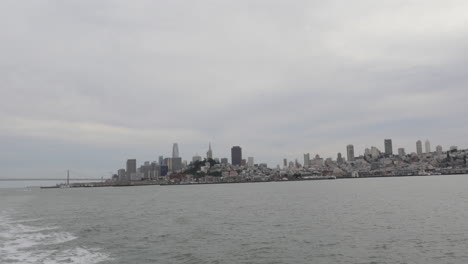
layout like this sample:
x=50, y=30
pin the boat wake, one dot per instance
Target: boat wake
x=23, y=243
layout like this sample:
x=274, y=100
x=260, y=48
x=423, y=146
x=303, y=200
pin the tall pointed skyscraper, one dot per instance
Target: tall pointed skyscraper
x=175, y=150
x=209, y=153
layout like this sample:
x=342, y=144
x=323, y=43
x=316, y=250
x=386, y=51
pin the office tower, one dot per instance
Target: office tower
x=375, y=152
x=131, y=166
x=388, y=147
x=401, y=152
x=209, y=153
x=175, y=150
x=236, y=156
x=161, y=160
x=224, y=161
x=250, y=162
x=176, y=164
x=121, y=175
x=350, y=152
x=439, y=149
x=427, y=146
x=307, y=160
x=243, y=162
x=419, y=150
x=285, y=163
x=339, y=158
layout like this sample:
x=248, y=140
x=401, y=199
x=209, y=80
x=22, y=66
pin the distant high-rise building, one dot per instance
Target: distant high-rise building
x=401, y=152
x=439, y=149
x=350, y=152
x=196, y=158
x=236, y=156
x=175, y=150
x=250, y=162
x=243, y=162
x=209, y=153
x=453, y=148
x=427, y=146
x=419, y=150
x=224, y=161
x=375, y=152
x=307, y=160
x=176, y=164
x=367, y=152
x=161, y=160
x=131, y=166
x=121, y=175
x=339, y=158
x=388, y=147
x=285, y=163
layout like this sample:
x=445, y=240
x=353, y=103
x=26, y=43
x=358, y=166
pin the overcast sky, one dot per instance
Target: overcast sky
x=87, y=84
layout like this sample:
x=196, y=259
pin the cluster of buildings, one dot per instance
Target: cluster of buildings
x=374, y=163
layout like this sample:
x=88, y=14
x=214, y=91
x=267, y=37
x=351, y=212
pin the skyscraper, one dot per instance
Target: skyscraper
x=427, y=146
x=236, y=156
x=131, y=167
x=419, y=147
x=401, y=152
x=306, y=160
x=388, y=147
x=350, y=152
x=175, y=150
x=439, y=149
x=161, y=160
x=250, y=162
x=209, y=153
x=339, y=158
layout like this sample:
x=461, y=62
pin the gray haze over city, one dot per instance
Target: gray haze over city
x=86, y=85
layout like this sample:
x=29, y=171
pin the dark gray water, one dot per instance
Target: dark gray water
x=393, y=220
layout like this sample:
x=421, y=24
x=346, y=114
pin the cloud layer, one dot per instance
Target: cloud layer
x=111, y=80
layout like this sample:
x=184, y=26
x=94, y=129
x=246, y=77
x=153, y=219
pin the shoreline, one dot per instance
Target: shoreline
x=159, y=183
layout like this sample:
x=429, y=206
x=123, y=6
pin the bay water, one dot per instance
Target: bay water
x=375, y=220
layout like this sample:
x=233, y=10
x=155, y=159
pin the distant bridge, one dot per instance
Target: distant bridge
x=49, y=179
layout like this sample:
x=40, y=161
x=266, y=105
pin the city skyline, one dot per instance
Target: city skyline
x=105, y=81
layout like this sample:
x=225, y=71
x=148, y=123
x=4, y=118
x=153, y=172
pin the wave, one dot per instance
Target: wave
x=22, y=243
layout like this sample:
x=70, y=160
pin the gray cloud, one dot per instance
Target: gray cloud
x=279, y=78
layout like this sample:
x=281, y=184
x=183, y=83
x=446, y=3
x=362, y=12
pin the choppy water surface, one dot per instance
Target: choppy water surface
x=394, y=220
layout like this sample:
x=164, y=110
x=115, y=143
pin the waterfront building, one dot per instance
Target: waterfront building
x=250, y=162
x=439, y=149
x=307, y=160
x=163, y=170
x=419, y=150
x=401, y=152
x=350, y=152
x=388, y=147
x=131, y=167
x=427, y=146
x=209, y=153
x=236, y=156
x=175, y=150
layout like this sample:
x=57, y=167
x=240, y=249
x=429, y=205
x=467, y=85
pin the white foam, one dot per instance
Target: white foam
x=20, y=243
